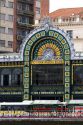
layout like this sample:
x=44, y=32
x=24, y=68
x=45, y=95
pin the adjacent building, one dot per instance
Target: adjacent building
x=71, y=21
x=41, y=9
x=24, y=20
x=16, y=20
x=6, y=25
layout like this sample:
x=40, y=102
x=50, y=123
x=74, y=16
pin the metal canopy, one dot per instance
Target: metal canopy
x=46, y=102
x=16, y=103
x=75, y=102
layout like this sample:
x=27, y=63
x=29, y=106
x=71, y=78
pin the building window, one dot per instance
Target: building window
x=10, y=4
x=2, y=3
x=18, y=79
x=63, y=19
x=31, y=20
x=66, y=19
x=78, y=75
x=23, y=7
x=38, y=0
x=2, y=16
x=5, y=80
x=55, y=20
x=19, y=6
x=10, y=44
x=70, y=33
x=10, y=31
x=28, y=8
x=73, y=19
x=82, y=19
x=38, y=4
x=2, y=29
x=31, y=8
x=10, y=18
x=37, y=10
x=2, y=43
x=23, y=19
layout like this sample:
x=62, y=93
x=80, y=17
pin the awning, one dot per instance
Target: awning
x=76, y=102
x=16, y=103
x=46, y=102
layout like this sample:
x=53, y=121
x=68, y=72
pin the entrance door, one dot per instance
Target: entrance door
x=47, y=74
x=47, y=82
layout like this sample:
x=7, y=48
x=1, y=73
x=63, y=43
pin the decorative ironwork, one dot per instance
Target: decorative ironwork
x=47, y=50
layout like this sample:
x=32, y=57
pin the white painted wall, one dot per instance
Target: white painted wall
x=77, y=31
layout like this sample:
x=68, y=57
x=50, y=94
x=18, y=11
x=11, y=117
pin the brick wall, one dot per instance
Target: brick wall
x=44, y=8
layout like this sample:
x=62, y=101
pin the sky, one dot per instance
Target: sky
x=57, y=4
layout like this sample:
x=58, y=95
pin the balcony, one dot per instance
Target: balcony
x=26, y=1
x=25, y=25
x=25, y=12
x=68, y=23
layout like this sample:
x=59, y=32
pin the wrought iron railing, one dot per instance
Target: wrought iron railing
x=24, y=24
x=27, y=12
x=26, y=1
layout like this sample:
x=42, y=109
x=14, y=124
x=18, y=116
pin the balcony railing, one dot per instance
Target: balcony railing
x=26, y=1
x=27, y=25
x=25, y=12
x=69, y=22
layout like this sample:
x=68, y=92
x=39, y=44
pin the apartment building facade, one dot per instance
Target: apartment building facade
x=6, y=25
x=71, y=21
x=16, y=19
x=24, y=19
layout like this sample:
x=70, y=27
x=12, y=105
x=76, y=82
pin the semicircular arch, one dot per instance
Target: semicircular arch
x=61, y=39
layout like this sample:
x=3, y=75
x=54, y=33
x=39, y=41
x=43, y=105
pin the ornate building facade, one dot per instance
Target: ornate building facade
x=46, y=68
